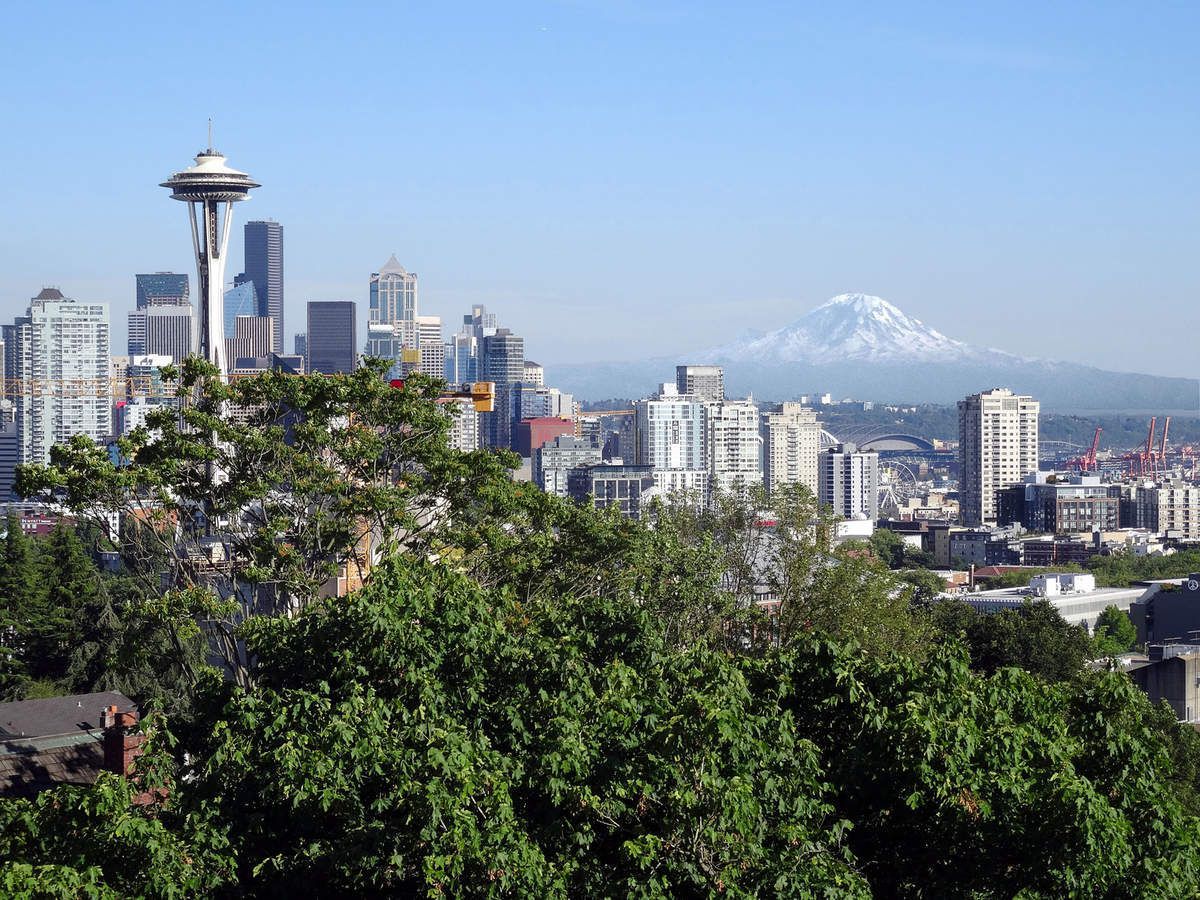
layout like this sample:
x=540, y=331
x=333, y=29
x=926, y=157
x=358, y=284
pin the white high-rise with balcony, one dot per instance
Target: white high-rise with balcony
x=59, y=383
x=849, y=482
x=791, y=439
x=734, y=446
x=997, y=448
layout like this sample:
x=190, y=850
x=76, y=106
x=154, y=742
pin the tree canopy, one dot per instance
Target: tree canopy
x=530, y=697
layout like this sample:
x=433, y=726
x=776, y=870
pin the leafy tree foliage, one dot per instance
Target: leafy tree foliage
x=896, y=553
x=120, y=838
x=296, y=479
x=1114, y=632
x=1034, y=638
x=534, y=698
x=1123, y=569
x=430, y=736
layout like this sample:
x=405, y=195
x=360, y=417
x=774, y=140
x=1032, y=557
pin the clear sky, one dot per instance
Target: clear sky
x=625, y=179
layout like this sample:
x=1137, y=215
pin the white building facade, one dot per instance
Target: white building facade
x=61, y=372
x=849, y=482
x=791, y=440
x=997, y=448
x=734, y=446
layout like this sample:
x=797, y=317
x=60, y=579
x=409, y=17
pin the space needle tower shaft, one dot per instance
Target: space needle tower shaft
x=210, y=188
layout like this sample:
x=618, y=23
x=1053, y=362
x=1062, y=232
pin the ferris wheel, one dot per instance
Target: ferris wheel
x=897, y=484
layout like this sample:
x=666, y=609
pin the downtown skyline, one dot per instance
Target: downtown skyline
x=594, y=166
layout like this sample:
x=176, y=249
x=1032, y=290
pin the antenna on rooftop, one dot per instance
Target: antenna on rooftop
x=210, y=144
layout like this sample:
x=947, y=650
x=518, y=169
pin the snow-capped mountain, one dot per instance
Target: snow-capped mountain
x=851, y=327
x=857, y=345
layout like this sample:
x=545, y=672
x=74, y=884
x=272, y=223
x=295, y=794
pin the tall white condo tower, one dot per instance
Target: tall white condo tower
x=206, y=187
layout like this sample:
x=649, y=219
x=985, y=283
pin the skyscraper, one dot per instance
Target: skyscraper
x=395, y=330
x=734, y=446
x=393, y=294
x=462, y=358
x=161, y=289
x=997, y=447
x=849, y=482
x=162, y=331
x=58, y=356
x=791, y=440
x=240, y=300
x=503, y=357
x=252, y=340
x=206, y=187
x=705, y=382
x=264, y=267
x=670, y=435
x=332, y=338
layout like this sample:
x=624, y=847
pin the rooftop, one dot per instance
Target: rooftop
x=57, y=715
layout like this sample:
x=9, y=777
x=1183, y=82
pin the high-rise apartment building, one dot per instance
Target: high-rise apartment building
x=432, y=348
x=670, y=435
x=791, y=440
x=332, y=337
x=57, y=358
x=464, y=428
x=1171, y=508
x=534, y=374
x=161, y=289
x=849, y=482
x=705, y=382
x=734, y=446
x=554, y=461
x=997, y=448
x=264, y=267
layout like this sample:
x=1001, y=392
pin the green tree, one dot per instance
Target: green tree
x=1114, y=632
x=1034, y=638
x=19, y=603
x=277, y=484
x=429, y=736
x=70, y=583
x=926, y=585
x=118, y=838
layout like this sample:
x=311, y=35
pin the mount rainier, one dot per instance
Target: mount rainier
x=861, y=346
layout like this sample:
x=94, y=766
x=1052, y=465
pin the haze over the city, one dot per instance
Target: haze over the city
x=625, y=180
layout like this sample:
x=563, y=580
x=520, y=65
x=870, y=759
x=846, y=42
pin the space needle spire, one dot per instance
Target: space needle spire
x=210, y=188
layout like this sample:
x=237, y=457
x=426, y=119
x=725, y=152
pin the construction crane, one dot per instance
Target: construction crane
x=1161, y=461
x=597, y=413
x=1087, y=462
x=482, y=394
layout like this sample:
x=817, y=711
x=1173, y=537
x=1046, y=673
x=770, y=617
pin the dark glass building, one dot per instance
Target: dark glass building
x=332, y=337
x=161, y=289
x=502, y=361
x=264, y=267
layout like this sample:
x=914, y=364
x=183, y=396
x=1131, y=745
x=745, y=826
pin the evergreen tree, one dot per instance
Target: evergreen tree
x=19, y=592
x=71, y=582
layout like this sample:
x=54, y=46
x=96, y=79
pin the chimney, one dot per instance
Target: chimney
x=121, y=746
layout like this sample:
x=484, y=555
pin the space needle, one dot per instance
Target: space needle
x=206, y=187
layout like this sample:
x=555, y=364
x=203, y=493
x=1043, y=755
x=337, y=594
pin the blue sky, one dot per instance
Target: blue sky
x=625, y=179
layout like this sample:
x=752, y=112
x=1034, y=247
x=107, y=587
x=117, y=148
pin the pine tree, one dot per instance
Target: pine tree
x=71, y=583
x=18, y=600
